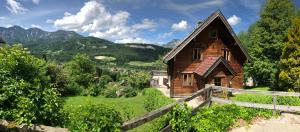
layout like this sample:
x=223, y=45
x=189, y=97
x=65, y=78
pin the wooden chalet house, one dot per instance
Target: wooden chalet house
x=211, y=54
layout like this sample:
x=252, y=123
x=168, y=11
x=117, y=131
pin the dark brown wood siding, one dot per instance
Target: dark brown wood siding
x=183, y=62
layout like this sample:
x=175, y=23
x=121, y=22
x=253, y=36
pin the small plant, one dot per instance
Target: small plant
x=154, y=99
x=181, y=118
x=129, y=92
x=94, y=118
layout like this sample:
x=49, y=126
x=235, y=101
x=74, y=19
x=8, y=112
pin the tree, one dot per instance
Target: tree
x=81, y=71
x=26, y=94
x=290, y=59
x=267, y=38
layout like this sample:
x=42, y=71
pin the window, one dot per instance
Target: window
x=226, y=53
x=218, y=81
x=196, y=54
x=188, y=79
x=213, y=33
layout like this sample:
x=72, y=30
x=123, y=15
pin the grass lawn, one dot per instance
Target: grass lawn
x=259, y=88
x=128, y=107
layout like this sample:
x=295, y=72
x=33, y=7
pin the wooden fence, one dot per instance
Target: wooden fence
x=274, y=106
x=207, y=93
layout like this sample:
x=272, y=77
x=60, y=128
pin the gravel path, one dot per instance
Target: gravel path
x=285, y=123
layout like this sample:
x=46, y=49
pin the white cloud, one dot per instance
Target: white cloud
x=94, y=19
x=35, y=26
x=2, y=18
x=146, y=24
x=49, y=21
x=132, y=40
x=36, y=2
x=165, y=35
x=233, y=20
x=182, y=25
x=15, y=7
x=195, y=6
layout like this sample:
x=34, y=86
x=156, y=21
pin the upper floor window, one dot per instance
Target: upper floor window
x=197, y=54
x=213, y=34
x=187, y=79
x=226, y=53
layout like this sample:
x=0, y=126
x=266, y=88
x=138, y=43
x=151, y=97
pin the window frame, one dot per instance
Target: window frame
x=226, y=54
x=197, y=54
x=219, y=81
x=211, y=32
x=189, y=79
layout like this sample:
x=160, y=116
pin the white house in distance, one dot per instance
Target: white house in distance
x=158, y=78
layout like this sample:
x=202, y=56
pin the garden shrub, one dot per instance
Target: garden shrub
x=223, y=117
x=112, y=89
x=154, y=99
x=94, y=118
x=139, y=80
x=129, y=92
x=58, y=77
x=181, y=118
x=26, y=94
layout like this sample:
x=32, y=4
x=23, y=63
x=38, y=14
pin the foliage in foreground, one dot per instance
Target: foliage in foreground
x=94, y=118
x=216, y=118
x=26, y=94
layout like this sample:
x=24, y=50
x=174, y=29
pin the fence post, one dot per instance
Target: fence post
x=210, y=91
x=274, y=104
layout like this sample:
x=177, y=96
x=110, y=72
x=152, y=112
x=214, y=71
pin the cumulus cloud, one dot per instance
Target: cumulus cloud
x=95, y=19
x=146, y=24
x=2, y=18
x=182, y=25
x=15, y=7
x=49, y=21
x=36, y=1
x=233, y=20
x=35, y=26
x=132, y=40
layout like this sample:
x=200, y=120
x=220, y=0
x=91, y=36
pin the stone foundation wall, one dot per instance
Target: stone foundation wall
x=6, y=126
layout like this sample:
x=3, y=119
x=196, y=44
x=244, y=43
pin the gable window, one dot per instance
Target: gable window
x=226, y=54
x=197, y=54
x=218, y=81
x=187, y=79
x=213, y=34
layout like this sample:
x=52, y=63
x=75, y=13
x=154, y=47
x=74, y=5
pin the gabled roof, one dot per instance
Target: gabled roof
x=209, y=64
x=200, y=28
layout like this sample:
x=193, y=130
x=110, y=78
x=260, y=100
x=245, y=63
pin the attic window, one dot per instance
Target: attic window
x=213, y=34
x=197, y=54
x=226, y=54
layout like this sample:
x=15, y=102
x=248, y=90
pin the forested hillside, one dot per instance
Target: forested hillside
x=63, y=45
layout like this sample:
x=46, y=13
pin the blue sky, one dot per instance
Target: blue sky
x=148, y=21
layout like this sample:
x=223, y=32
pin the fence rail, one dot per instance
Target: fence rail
x=208, y=90
x=163, y=110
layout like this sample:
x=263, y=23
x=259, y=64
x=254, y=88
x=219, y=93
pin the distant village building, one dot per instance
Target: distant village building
x=211, y=54
x=159, y=79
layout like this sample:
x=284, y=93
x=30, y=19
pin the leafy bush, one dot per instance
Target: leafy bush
x=26, y=94
x=129, y=92
x=94, y=118
x=139, y=80
x=81, y=70
x=155, y=99
x=181, y=118
x=111, y=90
x=223, y=117
x=58, y=77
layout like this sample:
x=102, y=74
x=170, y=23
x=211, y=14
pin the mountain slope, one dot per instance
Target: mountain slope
x=173, y=43
x=63, y=45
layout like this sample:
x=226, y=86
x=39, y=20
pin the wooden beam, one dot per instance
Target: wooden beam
x=277, y=93
x=257, y=105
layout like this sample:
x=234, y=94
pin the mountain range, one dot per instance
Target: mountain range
x=63, y=45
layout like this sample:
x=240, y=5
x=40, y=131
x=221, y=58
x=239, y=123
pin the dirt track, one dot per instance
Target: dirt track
x=285, y=123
